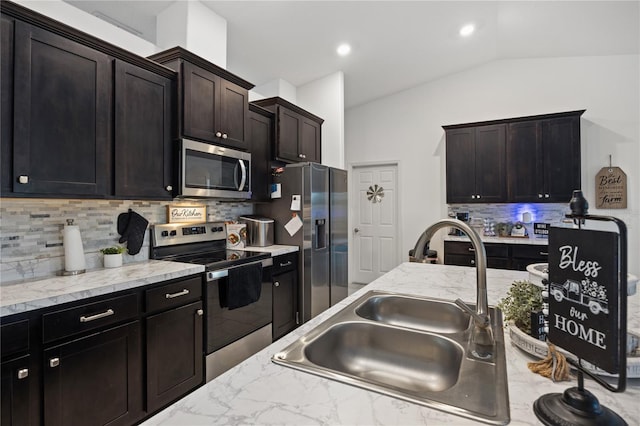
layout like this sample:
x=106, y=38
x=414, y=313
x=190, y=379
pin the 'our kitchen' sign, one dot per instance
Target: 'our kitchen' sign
x=186, y=214
x=583, y=295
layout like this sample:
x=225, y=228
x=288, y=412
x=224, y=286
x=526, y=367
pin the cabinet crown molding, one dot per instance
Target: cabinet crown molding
x=516, y=119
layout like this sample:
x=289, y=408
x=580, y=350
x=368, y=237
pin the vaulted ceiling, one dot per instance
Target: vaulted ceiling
x=396, y=45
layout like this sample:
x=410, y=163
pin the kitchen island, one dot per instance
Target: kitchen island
x=260, y=392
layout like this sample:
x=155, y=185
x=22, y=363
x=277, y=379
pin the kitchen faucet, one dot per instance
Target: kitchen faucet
x=481, y=337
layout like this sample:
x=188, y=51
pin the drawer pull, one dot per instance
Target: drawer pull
x=544, y=253
x=23, y=373
x=200, y=312
x=289, y=263
x=184, y=292
x=276, y=284
x=54, y=362
x=104, y=314
x=471, y=249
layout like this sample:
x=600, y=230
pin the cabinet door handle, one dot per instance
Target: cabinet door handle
x=106, y=313
x=478, y=196
x=54, y=362
x=169, y=188
x=276, y=284
x=546, y=195
x=184, y=292
x=289, y=263
x=224, y=136
x=539, y=195
x=471, y=249
x=23, y=373
x=473, y=197
x=473, y=262
x=23, y=179
x=544, y=253
x=219, y=134
x=200, y=312
x=300, y=156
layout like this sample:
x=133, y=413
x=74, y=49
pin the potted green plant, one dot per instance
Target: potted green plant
x=522, y=298
x=112, y=256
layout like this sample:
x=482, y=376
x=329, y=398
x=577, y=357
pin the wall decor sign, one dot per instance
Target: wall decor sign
x=375, y=194
x=541, y=228
x=583, y=294
x=186, y=214
x=611, y=188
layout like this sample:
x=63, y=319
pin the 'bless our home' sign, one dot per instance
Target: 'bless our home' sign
x=583, y=295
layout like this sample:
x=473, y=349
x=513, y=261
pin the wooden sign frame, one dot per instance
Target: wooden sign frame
x=611, y=188
x=187, y=214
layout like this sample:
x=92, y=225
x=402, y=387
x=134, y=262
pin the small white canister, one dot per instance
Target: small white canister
x=74, y=261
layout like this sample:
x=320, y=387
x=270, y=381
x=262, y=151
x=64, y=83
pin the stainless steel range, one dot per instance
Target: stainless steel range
x=238, y=291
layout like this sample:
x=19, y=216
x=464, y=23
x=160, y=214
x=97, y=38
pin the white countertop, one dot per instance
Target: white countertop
x=35, y=294
x=275, y=250
x=533, y=240
x=258, y=391
x=22, y=296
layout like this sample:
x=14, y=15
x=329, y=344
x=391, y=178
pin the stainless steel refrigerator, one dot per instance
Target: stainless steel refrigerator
x=323, y=264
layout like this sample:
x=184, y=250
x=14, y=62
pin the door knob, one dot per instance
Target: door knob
x=356, y=230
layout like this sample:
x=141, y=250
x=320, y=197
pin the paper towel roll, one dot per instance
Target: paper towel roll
x=73, y=251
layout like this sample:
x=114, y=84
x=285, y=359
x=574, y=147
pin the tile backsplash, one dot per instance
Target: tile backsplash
x=552, y=213
x=31, y=230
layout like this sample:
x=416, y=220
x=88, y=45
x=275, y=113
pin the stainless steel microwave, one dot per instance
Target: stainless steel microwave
x=210, y=171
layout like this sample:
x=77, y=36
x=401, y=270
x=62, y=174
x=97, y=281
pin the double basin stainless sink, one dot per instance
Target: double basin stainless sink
x=408, y=347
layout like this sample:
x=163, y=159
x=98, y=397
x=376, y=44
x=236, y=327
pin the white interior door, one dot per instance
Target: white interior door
x=374, y=221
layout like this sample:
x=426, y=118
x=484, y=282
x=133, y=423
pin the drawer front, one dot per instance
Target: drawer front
x=14, y=337
x=459, y=259
x=284, y=263
x=90, y=316
x=174, y=294
x=530, y=251
x=457, y=247
x=464, y=248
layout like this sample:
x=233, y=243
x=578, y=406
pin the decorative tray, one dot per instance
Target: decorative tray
x=538, y=348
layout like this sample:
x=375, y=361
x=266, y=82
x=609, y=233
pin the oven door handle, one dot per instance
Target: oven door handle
x=216, y=275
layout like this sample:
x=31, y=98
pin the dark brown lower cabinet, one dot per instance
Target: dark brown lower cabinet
x=175, y=357
x=95, y=380
x=18, y=392
x=499, y=256
x=285, y=294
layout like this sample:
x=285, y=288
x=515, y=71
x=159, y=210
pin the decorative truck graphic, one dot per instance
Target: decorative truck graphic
x=587, y=293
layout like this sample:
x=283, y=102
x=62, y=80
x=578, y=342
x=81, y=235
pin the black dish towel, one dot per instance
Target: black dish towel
x=131, y=227
x=244, y=285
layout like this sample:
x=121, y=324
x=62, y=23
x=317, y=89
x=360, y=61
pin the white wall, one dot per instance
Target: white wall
x=325, y=98
x=407, y=127
x=277, y=87
x=74, y=17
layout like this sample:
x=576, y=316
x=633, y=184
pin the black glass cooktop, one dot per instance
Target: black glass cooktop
x=220, y=259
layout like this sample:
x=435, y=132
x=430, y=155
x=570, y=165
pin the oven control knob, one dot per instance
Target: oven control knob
x=173, y=233
x=219, y=229
x=165, y=233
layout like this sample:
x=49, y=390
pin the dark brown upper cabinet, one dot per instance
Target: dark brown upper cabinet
x=261, y=139
x=81, y=117
x=534, y=159
x=62, y=115
x=476, y=164
x=298, y=136
x=143, y=139
x=544, y=158
x=214, y=102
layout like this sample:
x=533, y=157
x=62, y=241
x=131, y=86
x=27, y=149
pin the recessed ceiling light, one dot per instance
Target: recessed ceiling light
x=467, y=30
x=344, y=49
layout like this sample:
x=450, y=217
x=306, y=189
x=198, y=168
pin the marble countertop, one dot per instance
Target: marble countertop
x=533, y=240
x=35, y=294
x=275, y=250
x=258, y=391
x=23, y=296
